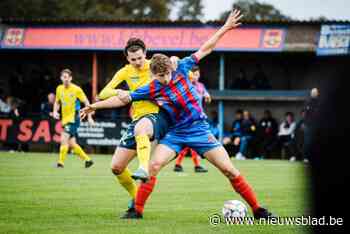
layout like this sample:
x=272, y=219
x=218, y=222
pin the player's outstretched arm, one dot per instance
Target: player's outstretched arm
x=90, y=119
x=109, y=90
x=231, y=22
x=112, y=102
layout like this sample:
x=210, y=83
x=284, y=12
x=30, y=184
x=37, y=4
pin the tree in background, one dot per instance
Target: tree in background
x=86, y=9
x=254, y=10
x=190, y=9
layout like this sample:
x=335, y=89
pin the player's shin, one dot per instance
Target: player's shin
x=143, y=150
x=242, y=187
x=195, y=158
x=63, y=154
x=143, y=193
x=127, y=182
x=80, y=152
x=181, y=156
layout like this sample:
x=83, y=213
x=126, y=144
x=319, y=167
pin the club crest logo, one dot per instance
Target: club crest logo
x=14, y=37
x=273, y=38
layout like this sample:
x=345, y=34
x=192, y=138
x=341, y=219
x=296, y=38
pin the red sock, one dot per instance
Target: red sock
x=195, y=158
x=143, y=192
x=242, y=187
x=181, y=156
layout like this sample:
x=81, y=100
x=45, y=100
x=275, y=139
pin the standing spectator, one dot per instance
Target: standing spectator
x=267, y=134
x=260, y=80
x=47, y=113
x=248, y=134
x=241, y=81
x=311, y=108
x=47, y=107
x=286, y=135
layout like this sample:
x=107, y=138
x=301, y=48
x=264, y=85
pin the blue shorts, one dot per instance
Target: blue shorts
x=72, y=128
x=196, y=136
x=160, y=123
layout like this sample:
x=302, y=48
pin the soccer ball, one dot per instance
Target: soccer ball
x=234, y=209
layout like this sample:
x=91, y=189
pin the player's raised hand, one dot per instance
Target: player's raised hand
x=232, y=20
x=86, y=111
x=123, y=95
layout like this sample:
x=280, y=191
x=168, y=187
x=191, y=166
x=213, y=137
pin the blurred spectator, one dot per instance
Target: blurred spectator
x=248, y=133
x=4, y=106
x=300, y=136
x=232, y=139
x=14, y=103
x=214, y=123
x=267, y=134
x=200, y=87
x=286, y=136
x=260, y=80
x=14, y=113
x=47, y=107
x=311, y=109
x=241, y=81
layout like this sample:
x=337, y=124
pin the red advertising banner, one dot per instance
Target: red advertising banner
x=47, y=131
x=156, y=38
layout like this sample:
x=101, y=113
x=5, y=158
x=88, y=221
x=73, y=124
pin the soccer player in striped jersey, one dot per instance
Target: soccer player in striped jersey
x=194, y=76
x=174, y=92
x=68, y=97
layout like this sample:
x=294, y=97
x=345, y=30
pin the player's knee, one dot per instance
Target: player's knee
x=228, y=172
x=154, y=168
x=117, y=170
x=144, y=127
x=143, y=131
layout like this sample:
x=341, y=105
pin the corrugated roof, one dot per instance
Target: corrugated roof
x=43, y=21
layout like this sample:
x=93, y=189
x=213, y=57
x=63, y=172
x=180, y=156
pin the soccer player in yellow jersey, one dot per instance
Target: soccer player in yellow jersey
x=68, y=97
x=148, y=122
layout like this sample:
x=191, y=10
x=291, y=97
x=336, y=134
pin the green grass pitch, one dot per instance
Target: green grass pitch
x=35, y=197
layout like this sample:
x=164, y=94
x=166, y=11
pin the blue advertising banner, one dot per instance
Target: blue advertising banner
x=334, y=40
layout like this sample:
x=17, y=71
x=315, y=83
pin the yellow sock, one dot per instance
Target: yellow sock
x=143, y=147
x=80, y=152
x=127, y=182
x=63, y=154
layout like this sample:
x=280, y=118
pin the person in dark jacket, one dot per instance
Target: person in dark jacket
x=267, y=134
x=47, y=107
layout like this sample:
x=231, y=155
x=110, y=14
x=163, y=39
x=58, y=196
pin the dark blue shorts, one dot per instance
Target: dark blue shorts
x=160, y=123
x=72, y=128
x=196, y=136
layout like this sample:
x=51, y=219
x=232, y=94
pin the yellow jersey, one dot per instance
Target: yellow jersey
x=69, y=99
x=135, y=78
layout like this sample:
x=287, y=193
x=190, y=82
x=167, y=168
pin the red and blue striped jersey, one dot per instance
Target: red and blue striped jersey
x=178, y=98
